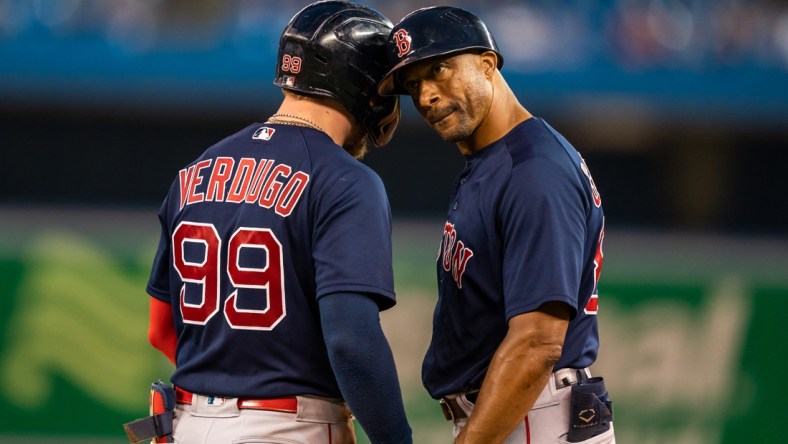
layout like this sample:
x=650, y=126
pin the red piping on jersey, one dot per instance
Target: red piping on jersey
x=527, y=431
x=329, y=434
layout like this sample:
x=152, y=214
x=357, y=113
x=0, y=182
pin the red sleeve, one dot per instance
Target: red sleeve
x=161, y=330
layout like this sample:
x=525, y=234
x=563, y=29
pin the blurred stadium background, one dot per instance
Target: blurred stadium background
x=680, y=108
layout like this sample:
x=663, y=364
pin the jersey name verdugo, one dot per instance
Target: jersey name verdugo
x=246, y=180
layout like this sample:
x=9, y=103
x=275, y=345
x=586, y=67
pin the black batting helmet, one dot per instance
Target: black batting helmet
x=337, y=49
x=433, y=32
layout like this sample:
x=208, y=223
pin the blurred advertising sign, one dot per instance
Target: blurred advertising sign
x=690, y=360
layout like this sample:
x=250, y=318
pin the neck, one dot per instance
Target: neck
x=504, y=114
x=329, y=117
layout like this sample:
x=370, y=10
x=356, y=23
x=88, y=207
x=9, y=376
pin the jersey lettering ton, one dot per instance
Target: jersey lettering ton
x=253, y=232
x=525, y=227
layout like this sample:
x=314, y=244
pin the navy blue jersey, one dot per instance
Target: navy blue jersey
x=525, y=227
x=253, y=232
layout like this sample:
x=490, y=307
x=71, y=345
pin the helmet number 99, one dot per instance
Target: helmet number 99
x=291, y=64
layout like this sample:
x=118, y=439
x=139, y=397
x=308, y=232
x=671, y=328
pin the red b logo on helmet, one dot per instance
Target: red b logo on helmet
x=402, y=39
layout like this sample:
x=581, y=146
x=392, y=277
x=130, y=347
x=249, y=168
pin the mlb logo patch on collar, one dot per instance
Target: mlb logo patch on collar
x=263, y=133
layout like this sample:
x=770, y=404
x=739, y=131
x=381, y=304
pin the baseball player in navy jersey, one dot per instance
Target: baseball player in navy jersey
x=515, y=325
x=275, y=255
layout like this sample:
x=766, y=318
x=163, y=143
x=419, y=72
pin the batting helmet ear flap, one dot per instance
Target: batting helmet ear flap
x=382, y=127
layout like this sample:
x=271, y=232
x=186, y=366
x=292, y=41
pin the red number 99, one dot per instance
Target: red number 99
x=291, y=64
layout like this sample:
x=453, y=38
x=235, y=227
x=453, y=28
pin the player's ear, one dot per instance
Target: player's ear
x=489, y=60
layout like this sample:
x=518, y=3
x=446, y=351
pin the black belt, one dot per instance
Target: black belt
x=452, y=410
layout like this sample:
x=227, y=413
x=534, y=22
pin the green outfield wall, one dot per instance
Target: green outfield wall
x=691, y=327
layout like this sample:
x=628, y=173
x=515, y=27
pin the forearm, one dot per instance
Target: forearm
x=364, y=366
x=518, y=372
x=511, y=387
x=369, y=383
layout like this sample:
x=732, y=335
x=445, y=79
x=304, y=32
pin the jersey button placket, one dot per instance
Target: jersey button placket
x=456, y=202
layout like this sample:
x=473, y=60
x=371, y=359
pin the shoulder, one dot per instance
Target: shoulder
x=540, y=154
x=349, y=177
x=240, y=142
x=338, y=178
x=545, y=168
x=252, y=134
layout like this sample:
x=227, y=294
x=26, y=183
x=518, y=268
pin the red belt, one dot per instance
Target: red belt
x=288, y=405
